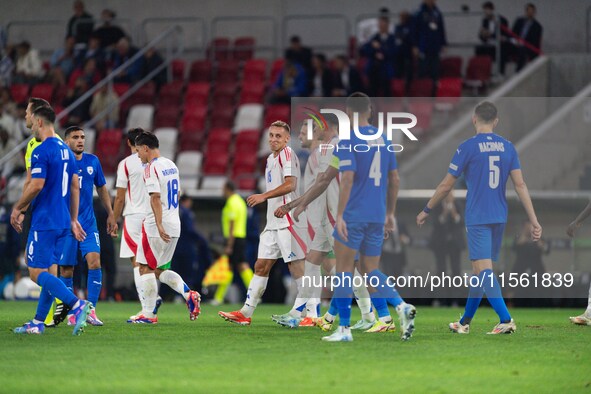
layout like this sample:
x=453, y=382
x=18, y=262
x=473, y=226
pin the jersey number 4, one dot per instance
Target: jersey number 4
x=375, y=169
x=494, y=172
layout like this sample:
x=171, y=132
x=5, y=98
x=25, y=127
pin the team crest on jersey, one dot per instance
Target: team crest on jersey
x=90, y=170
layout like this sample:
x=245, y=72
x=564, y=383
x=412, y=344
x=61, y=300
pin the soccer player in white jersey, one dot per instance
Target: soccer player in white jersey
x=281, y=238
x=133, y=202
x=160, y=231
x=585, y=318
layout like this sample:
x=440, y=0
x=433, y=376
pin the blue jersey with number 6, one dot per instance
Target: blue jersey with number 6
x=486, y=160
x=90, y=174
x=371, y=164
x=53, y=161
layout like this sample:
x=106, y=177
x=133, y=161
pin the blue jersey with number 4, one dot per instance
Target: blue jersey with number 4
x=371, y=164
x=486, y=160
x=54, y=162
x=90, y=174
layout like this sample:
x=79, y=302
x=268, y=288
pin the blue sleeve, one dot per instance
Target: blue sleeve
x=459, y=161
x=515, y=164
x=99, y=178
x=346, y=157
x=39, y=163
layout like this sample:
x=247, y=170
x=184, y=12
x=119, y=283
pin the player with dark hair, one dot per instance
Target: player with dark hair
x=53, y=194
x=160, y=231
x=487, y=160
x=90, y=174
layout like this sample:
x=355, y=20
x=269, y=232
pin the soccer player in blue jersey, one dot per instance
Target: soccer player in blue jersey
x=53, y=194
x=90, y=175
x=487, y=160
x=367, y=204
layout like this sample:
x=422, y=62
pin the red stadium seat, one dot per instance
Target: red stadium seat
x=478, y=71
x=252, y=93
x=398, y=87
x=227, y=71
x=43, y=90
x=220, y=136
x=222, y=117
x=276, y=112
x=224, y=95
x=246, y=183
x=421, y=88
x=255, y=70
x=171, y=92
x=276, y=69
x=247, y=141
x=216, y=164
x=451, y=67
x=59, y=95
x=167, y=116
x=146, y=94
x=219, y=49
x=197, y=93
x=120, y=88
x=423, y=110
x=108, y=147
x=194, y=121
x=191, y=140
x=200, y=71
x=243, y=48
x=449, y=92
x=178, y=69
x=19, y=92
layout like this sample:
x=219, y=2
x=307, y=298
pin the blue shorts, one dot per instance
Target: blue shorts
x=485, y=240
x=366, y=238
x=45, y=247
x=72, y=246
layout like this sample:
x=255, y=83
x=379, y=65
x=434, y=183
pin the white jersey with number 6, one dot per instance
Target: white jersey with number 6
x=162, y=176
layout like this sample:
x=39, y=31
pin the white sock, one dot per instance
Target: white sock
x=314, y=273
x=136, y=280
x=175, y=282
x=149, y=293
x=256, y=288
x=363, y=301
x=588, y=311
x=386, y=319
x=300, y=301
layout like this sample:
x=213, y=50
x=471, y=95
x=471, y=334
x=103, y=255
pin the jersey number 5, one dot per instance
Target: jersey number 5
x=494, y=172
x=173, y=193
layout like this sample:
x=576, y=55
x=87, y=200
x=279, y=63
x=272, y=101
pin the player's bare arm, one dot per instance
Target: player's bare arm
x=344, y=193
x=578, y=222
x=29, y=193
x=118, y=205
x=106, y=201
x=523, y=193
x=441, y=192
x=288, y=186
x=157, y=209
x=392, y=197
x=77, y=230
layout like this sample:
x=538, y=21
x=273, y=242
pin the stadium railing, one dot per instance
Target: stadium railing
x=195, y=29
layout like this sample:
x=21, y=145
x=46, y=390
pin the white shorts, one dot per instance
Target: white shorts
x=323, y=240
x=132, y=235
x=154, y=252
x=288, y=243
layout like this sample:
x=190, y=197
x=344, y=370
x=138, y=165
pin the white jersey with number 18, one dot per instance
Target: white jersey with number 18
x=162, y=176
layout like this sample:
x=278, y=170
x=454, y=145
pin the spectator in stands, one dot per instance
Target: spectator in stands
x=320, y=81
x=492, y=24
x=81, y=113
x=8, y=115
x=109, y=34
x=62, y=62
x=6, y=66
x=93, y=51
x=124, y=52
x=379, y=51
x=150, y=62
x=368, y=28
x=20, y=123
x=346, y=78
x=530, y=31
x=88, y=72
x=101, y=101
x=80, y=25
x=7, y=144
x=299, y=54
x=291, y=82
x=429, y=39
x=403, y=60
x=29, y=68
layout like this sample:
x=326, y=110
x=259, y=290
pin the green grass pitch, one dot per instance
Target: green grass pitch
x=546, y=354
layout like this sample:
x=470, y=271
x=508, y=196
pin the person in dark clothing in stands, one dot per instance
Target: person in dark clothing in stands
x=108, y=33
x=320, y=81
x=151, y=60
x=379, y=51
x=346, y=78
x=429, y=39
x=297, y=53
x=80, y=25
x=403, y=60
x=490, y=29
x=124, y=52
x=530, y=30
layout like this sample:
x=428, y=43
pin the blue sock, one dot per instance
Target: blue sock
x=318, y=310
x=492, y=289
x=301, y=308
x=95, y=283
x=388, y=292
x=474, y=297
x=380, y=304
x=344, y=297
x=56, y=288
x=333, y=309
x=186, y=288
x=69, y=282
x=44, y=305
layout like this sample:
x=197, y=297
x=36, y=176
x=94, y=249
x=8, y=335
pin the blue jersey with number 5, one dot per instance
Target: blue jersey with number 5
x=371, y=164
x=54, y=162
x=486, y=160
x=90, y=174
